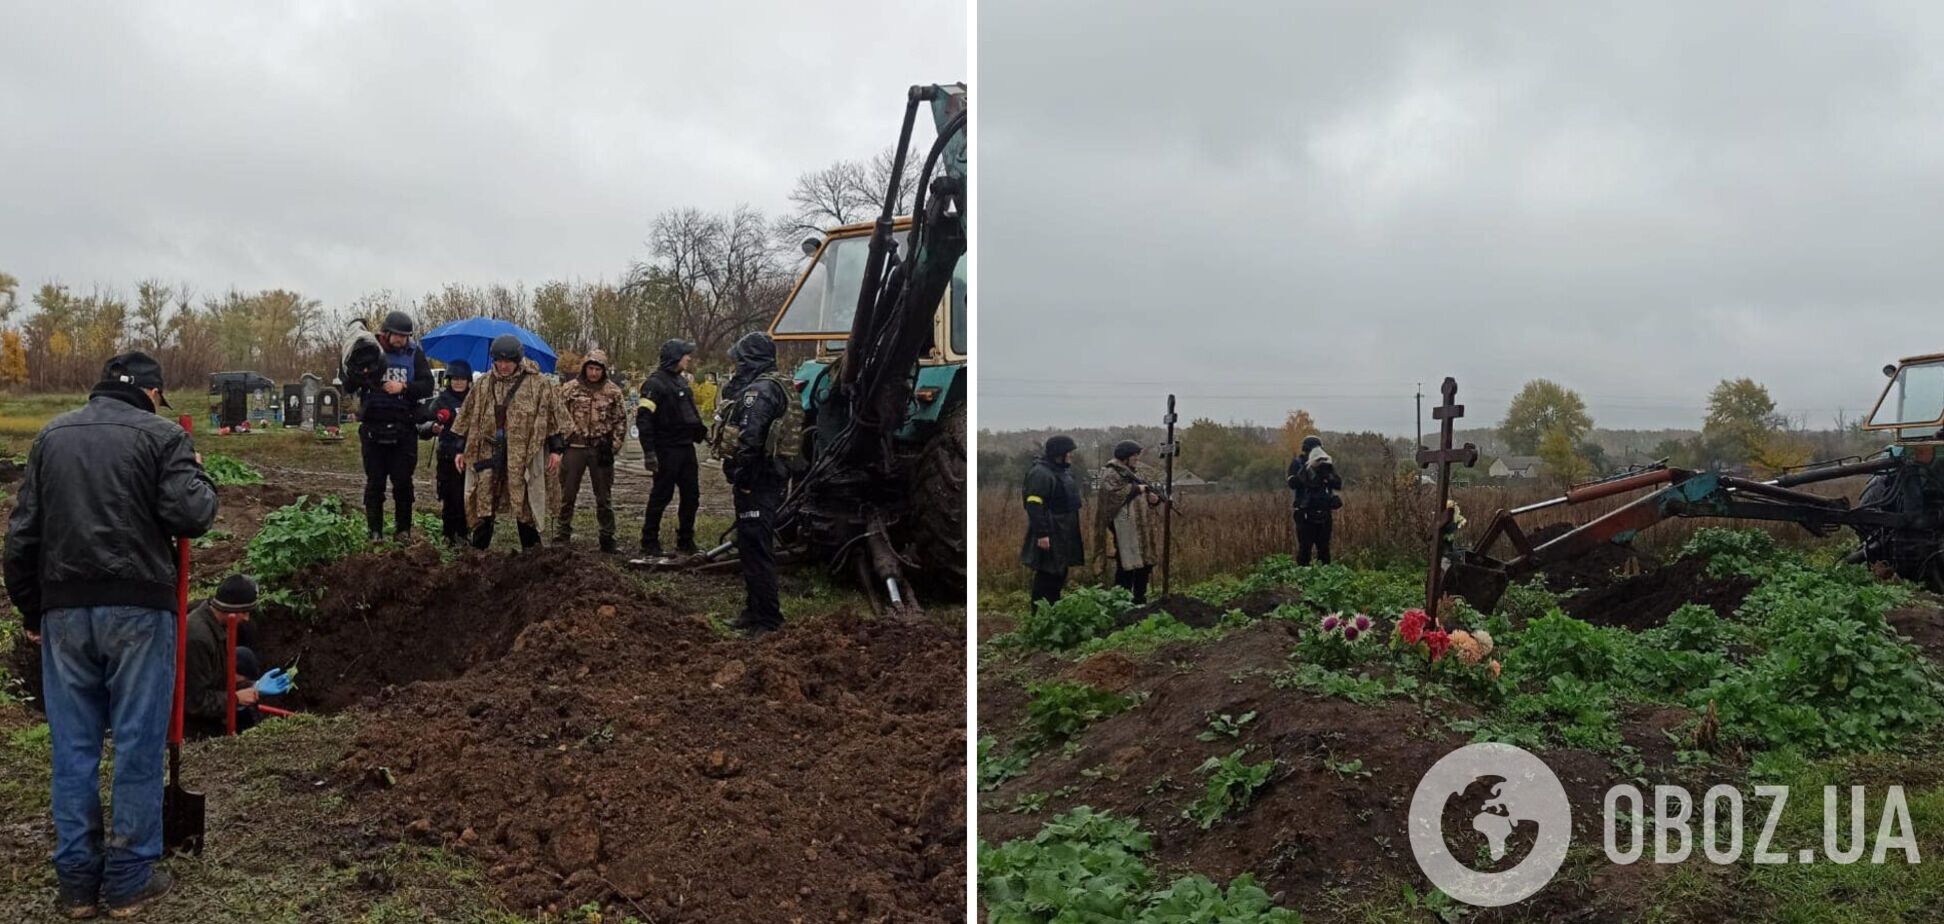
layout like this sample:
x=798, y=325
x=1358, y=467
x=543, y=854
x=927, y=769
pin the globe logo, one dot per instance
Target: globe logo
x=1508, y=797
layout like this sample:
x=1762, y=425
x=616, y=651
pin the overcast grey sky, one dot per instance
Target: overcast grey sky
x=1318, y=205
x=343, y=147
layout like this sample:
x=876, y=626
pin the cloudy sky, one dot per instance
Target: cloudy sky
x=1266, y=206
x=344, y=147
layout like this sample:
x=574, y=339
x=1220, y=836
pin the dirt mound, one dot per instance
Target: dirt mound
x=610, y=748
x=1645, y=601
x=1332, y=818
x=1597, y=568
x=1189, y=610
x=1265, y=601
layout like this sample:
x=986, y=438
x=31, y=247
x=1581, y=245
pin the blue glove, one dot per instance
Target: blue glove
x=274, y=682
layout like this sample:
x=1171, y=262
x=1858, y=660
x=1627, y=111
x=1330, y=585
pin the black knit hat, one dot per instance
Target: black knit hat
x=1311, y=442
x=1126, y=449
x=237, y=593
x=458, y=369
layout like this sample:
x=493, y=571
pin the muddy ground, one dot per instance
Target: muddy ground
x=516, y=736
x=1321, y=836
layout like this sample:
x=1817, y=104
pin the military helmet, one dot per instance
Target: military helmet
x=398, y=322
x=1126, y=449
x=507, y=346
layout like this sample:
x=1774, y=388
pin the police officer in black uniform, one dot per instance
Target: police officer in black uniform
x=1052, y=499
x=388, y=424
x=670, y=426
x=760, y=480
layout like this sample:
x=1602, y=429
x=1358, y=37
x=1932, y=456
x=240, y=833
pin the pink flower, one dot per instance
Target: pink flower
x=1330, y=622
x=1349, y=633
x=1362, y=623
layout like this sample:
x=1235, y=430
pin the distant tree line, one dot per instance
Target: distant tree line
x=1741, y=431
x=706, y=276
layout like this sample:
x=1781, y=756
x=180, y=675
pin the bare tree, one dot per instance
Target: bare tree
x=151, y=315
x=717, y=275
x=844, y=193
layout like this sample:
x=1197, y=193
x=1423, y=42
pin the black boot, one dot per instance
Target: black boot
x=750, y=626
x=375, y=523
x=482, y=535
x=529, y=535
x=608, y=545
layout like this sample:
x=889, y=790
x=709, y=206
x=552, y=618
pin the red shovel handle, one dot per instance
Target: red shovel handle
x=182, y=623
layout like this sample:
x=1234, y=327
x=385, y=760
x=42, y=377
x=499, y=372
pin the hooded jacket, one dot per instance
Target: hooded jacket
x=759, y=402
x=1313, y=483
x=107, y=490
x=595, y=413
x=666, y=416
x=1052, y=501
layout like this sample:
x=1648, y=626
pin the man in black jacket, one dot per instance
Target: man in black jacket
x=1052, y=520
x=670, y=426
x=90, y=562
x=206, y=690
x=1313, y=485
x=760, y=479
x=451, y=481
x=388, y=422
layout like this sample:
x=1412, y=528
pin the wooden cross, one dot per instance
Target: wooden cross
x=1443, y=457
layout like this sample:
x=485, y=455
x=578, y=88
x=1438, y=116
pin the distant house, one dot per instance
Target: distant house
x=1515, y=467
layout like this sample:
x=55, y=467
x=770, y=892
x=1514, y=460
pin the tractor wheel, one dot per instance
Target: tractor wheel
x=938, y=503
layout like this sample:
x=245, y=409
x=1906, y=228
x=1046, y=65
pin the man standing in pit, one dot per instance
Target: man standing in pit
x=90, y=563
x=670, y=425
x=388, y=425
x=761, y=440
x=1052, y=520
x=597, y=424
x=206, y=692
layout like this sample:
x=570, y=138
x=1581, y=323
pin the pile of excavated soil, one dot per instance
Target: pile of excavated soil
x=1646, y=600
x=1322, y=826
x=1189, y=610
x=586, y=743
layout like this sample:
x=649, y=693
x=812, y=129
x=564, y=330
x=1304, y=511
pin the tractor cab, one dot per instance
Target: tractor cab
x=820, y=309
x=1912, y=404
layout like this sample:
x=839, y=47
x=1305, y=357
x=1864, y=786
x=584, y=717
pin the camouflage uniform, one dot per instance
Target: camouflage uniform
x=535, y=421
x=1125, y=528
x=597, y=425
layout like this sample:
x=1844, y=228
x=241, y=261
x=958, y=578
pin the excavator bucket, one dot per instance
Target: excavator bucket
x=1480, y=584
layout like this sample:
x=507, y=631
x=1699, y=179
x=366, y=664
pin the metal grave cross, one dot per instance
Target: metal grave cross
x=1443, y=457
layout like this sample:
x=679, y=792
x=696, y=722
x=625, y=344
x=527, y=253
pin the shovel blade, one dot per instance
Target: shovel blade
x=184, y=820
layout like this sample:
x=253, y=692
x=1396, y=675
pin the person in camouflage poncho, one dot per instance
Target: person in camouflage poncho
x=597, y=426
x=1125, y=529
x=533, y=441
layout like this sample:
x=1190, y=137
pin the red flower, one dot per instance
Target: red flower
x=1437, y=640
x=1410, y=627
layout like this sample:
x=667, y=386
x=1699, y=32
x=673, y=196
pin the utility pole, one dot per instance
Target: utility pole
x=1420, y=415
x=1169, y=450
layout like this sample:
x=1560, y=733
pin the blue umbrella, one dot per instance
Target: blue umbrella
x=469, y=340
